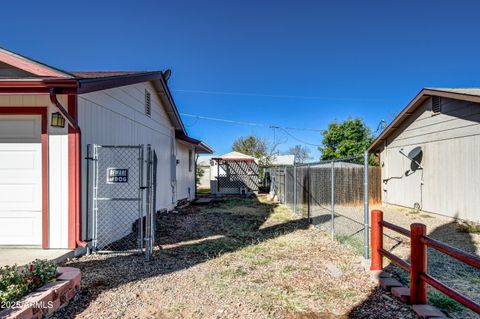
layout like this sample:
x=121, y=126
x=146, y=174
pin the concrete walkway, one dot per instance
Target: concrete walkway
x=23, y=255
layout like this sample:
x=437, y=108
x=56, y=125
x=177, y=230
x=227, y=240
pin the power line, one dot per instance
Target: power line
x=303, y=97
x=250, y=123
x=274, y=127
x=299, y=140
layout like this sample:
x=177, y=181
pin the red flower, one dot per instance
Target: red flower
x=36, y=279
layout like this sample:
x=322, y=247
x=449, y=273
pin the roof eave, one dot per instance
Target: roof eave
x=424, y=94
x=200, y=147
x=165, y=96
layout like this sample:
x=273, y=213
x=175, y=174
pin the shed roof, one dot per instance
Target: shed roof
x=235, y=155
x=464, y=94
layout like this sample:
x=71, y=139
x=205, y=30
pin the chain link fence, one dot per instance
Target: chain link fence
x=334, y=196
x=121, y=214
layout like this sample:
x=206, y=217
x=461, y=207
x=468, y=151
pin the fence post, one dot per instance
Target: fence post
x=377, y=240
x=418, y=257
x=366, y=240
x=308, y=195
x=294, y=188
x=332, y=222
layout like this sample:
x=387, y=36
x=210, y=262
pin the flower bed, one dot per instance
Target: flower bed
x=36, y=290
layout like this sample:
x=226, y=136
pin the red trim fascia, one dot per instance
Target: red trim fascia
x=44, y=140
x=233, y=159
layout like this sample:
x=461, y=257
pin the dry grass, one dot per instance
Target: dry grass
x=241, y=258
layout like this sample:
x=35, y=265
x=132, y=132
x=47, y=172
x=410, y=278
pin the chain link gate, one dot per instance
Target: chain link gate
x=122, y=216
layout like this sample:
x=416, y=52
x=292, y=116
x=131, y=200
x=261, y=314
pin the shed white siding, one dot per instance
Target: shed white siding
x=450, y=141
x=117, y=117
x=57, y=165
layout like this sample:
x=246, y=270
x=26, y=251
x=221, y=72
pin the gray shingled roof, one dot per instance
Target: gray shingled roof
x=469, y=91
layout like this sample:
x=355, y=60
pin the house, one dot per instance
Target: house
x=430, y=154
x=203, y=162
x=234, y=173
x=282, y=160
x=48, y=117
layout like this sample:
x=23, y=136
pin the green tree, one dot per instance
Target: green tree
x=199, y=174
x=345, y=139
x=251, y=145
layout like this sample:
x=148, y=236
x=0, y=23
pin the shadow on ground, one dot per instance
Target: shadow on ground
x=190, y=237
x=463, y=278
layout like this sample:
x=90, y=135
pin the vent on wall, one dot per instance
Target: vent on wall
x=436, y=104
x=148, y=105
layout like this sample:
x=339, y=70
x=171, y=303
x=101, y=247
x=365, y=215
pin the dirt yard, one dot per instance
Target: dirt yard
x=238, y=258
x=463, y=278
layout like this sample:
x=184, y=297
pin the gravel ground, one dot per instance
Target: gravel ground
x=240, y=258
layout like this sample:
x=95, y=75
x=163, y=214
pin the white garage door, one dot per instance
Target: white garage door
x=20, y=180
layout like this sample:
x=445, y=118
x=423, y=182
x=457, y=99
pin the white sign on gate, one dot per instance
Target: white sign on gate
x=117, y=175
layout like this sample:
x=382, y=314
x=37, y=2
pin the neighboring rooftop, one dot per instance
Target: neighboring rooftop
x=467, y=91
x=281, y=160
x=463, y=94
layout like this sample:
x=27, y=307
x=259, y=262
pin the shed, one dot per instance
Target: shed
x=234, y=173
x=430, y=154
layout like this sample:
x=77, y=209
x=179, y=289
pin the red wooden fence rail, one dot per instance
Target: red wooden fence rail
x=419, y=241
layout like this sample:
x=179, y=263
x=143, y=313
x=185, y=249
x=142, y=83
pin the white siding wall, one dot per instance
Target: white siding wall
x=185, y=177
x=451, y=157
x=117, y=117
x=58, y=166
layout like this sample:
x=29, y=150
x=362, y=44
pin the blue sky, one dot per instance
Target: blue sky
x=293, y=63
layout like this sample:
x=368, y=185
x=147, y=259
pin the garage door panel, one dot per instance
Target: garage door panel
x=20, y=180
x=20, y=228
x=20, y=128
x=23, y=160
x=19, y=197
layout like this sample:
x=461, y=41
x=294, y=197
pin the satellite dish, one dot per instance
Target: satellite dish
x=166, y=74
x=415, y=155
x=415, y=152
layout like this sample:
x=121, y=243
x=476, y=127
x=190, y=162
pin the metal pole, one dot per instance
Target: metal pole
x=95, y=196
x=294, y=188
x=308, y=195
x=333, y=200
x=366, y=228
x=148, y=229
x=285, y=199
x=140, y=196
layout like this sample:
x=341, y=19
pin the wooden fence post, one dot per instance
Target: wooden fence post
x=377, y=240
x=418, y=256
